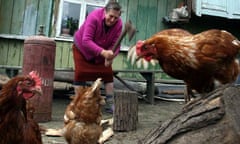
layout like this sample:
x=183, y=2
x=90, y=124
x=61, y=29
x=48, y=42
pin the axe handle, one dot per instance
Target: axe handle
x=119, y=40
x=117, y=44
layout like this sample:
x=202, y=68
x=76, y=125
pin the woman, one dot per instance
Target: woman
x=92, y=46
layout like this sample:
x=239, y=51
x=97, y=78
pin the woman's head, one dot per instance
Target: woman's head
x=112, y=13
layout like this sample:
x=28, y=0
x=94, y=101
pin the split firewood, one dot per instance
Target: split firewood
x=173, y=92
x=54, y=132
x=106, y=134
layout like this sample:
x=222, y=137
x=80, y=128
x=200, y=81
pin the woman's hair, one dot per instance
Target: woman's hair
x=113, y=5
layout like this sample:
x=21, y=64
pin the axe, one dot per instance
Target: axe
x=128, y=29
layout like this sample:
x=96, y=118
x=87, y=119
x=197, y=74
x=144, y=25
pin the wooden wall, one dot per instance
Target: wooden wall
x=146, y=15
x=23, y=17
x=11, y=52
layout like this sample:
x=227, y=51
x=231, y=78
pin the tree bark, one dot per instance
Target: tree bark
x=125, y=115
x=213, y=118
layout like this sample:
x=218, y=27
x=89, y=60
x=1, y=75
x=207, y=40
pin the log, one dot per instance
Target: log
x=63, y=76
x=125, y=115
x=213, y=118
x=66, y=76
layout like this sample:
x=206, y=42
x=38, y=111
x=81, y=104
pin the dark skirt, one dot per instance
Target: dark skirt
x=88, y=71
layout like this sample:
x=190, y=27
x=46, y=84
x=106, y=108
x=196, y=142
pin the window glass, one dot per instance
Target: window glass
x=90, y=8
x=72, y=13
x=70, y=18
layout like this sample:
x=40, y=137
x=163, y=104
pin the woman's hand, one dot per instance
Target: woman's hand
x=107, y=54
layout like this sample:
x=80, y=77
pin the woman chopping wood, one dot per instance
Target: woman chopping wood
x=92, y=48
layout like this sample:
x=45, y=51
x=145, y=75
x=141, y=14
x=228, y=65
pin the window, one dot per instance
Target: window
x=72, y=13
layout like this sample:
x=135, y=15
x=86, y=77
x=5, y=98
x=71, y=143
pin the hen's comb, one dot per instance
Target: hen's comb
x=35, y=75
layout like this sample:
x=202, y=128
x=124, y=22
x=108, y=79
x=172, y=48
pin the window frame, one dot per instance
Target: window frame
x=83, y=7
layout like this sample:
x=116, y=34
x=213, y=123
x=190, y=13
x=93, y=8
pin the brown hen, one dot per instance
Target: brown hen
x=16, y=126
x=201, y=61
x=83, y=116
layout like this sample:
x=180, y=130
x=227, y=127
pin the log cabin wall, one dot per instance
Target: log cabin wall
x=20, y=19
x=23, y=17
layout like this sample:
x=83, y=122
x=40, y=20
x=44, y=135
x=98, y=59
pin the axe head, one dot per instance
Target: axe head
x=131, y=30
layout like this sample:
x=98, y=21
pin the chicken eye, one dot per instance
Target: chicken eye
x=28, y=83
x=144, y=48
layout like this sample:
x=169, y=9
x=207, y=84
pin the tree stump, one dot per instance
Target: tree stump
x=125, y=115
x=210, y=119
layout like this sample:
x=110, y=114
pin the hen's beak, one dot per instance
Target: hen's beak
x=38, y=90
x=138, y=57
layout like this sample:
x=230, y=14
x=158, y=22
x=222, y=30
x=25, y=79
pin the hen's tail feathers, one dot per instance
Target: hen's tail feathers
x=132, y=56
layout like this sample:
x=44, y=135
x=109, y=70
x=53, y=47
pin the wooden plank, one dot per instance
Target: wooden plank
x=21, y=48
x=70, y=58
x=55, y=12
x=70, y=55
x=17, y=17
x=152, y=18
x=171, y=5
x=44, y=15
x=142, y=19
x=58, y=58
x=15, y=49
x=65, y=54
x=6, y=16
x=64, y=57
x=162, y=4
x=118, y=61
x=4, y=51
x=30, y=17
x=124, y=4
x=132, y=15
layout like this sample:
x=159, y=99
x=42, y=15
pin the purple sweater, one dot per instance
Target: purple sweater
x=91, y=38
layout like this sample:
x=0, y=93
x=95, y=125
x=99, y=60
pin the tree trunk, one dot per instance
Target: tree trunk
x=213, y=118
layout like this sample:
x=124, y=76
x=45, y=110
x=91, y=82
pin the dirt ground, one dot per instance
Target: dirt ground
x=150, y=116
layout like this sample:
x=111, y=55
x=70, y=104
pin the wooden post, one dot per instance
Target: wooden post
x=125, y=115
